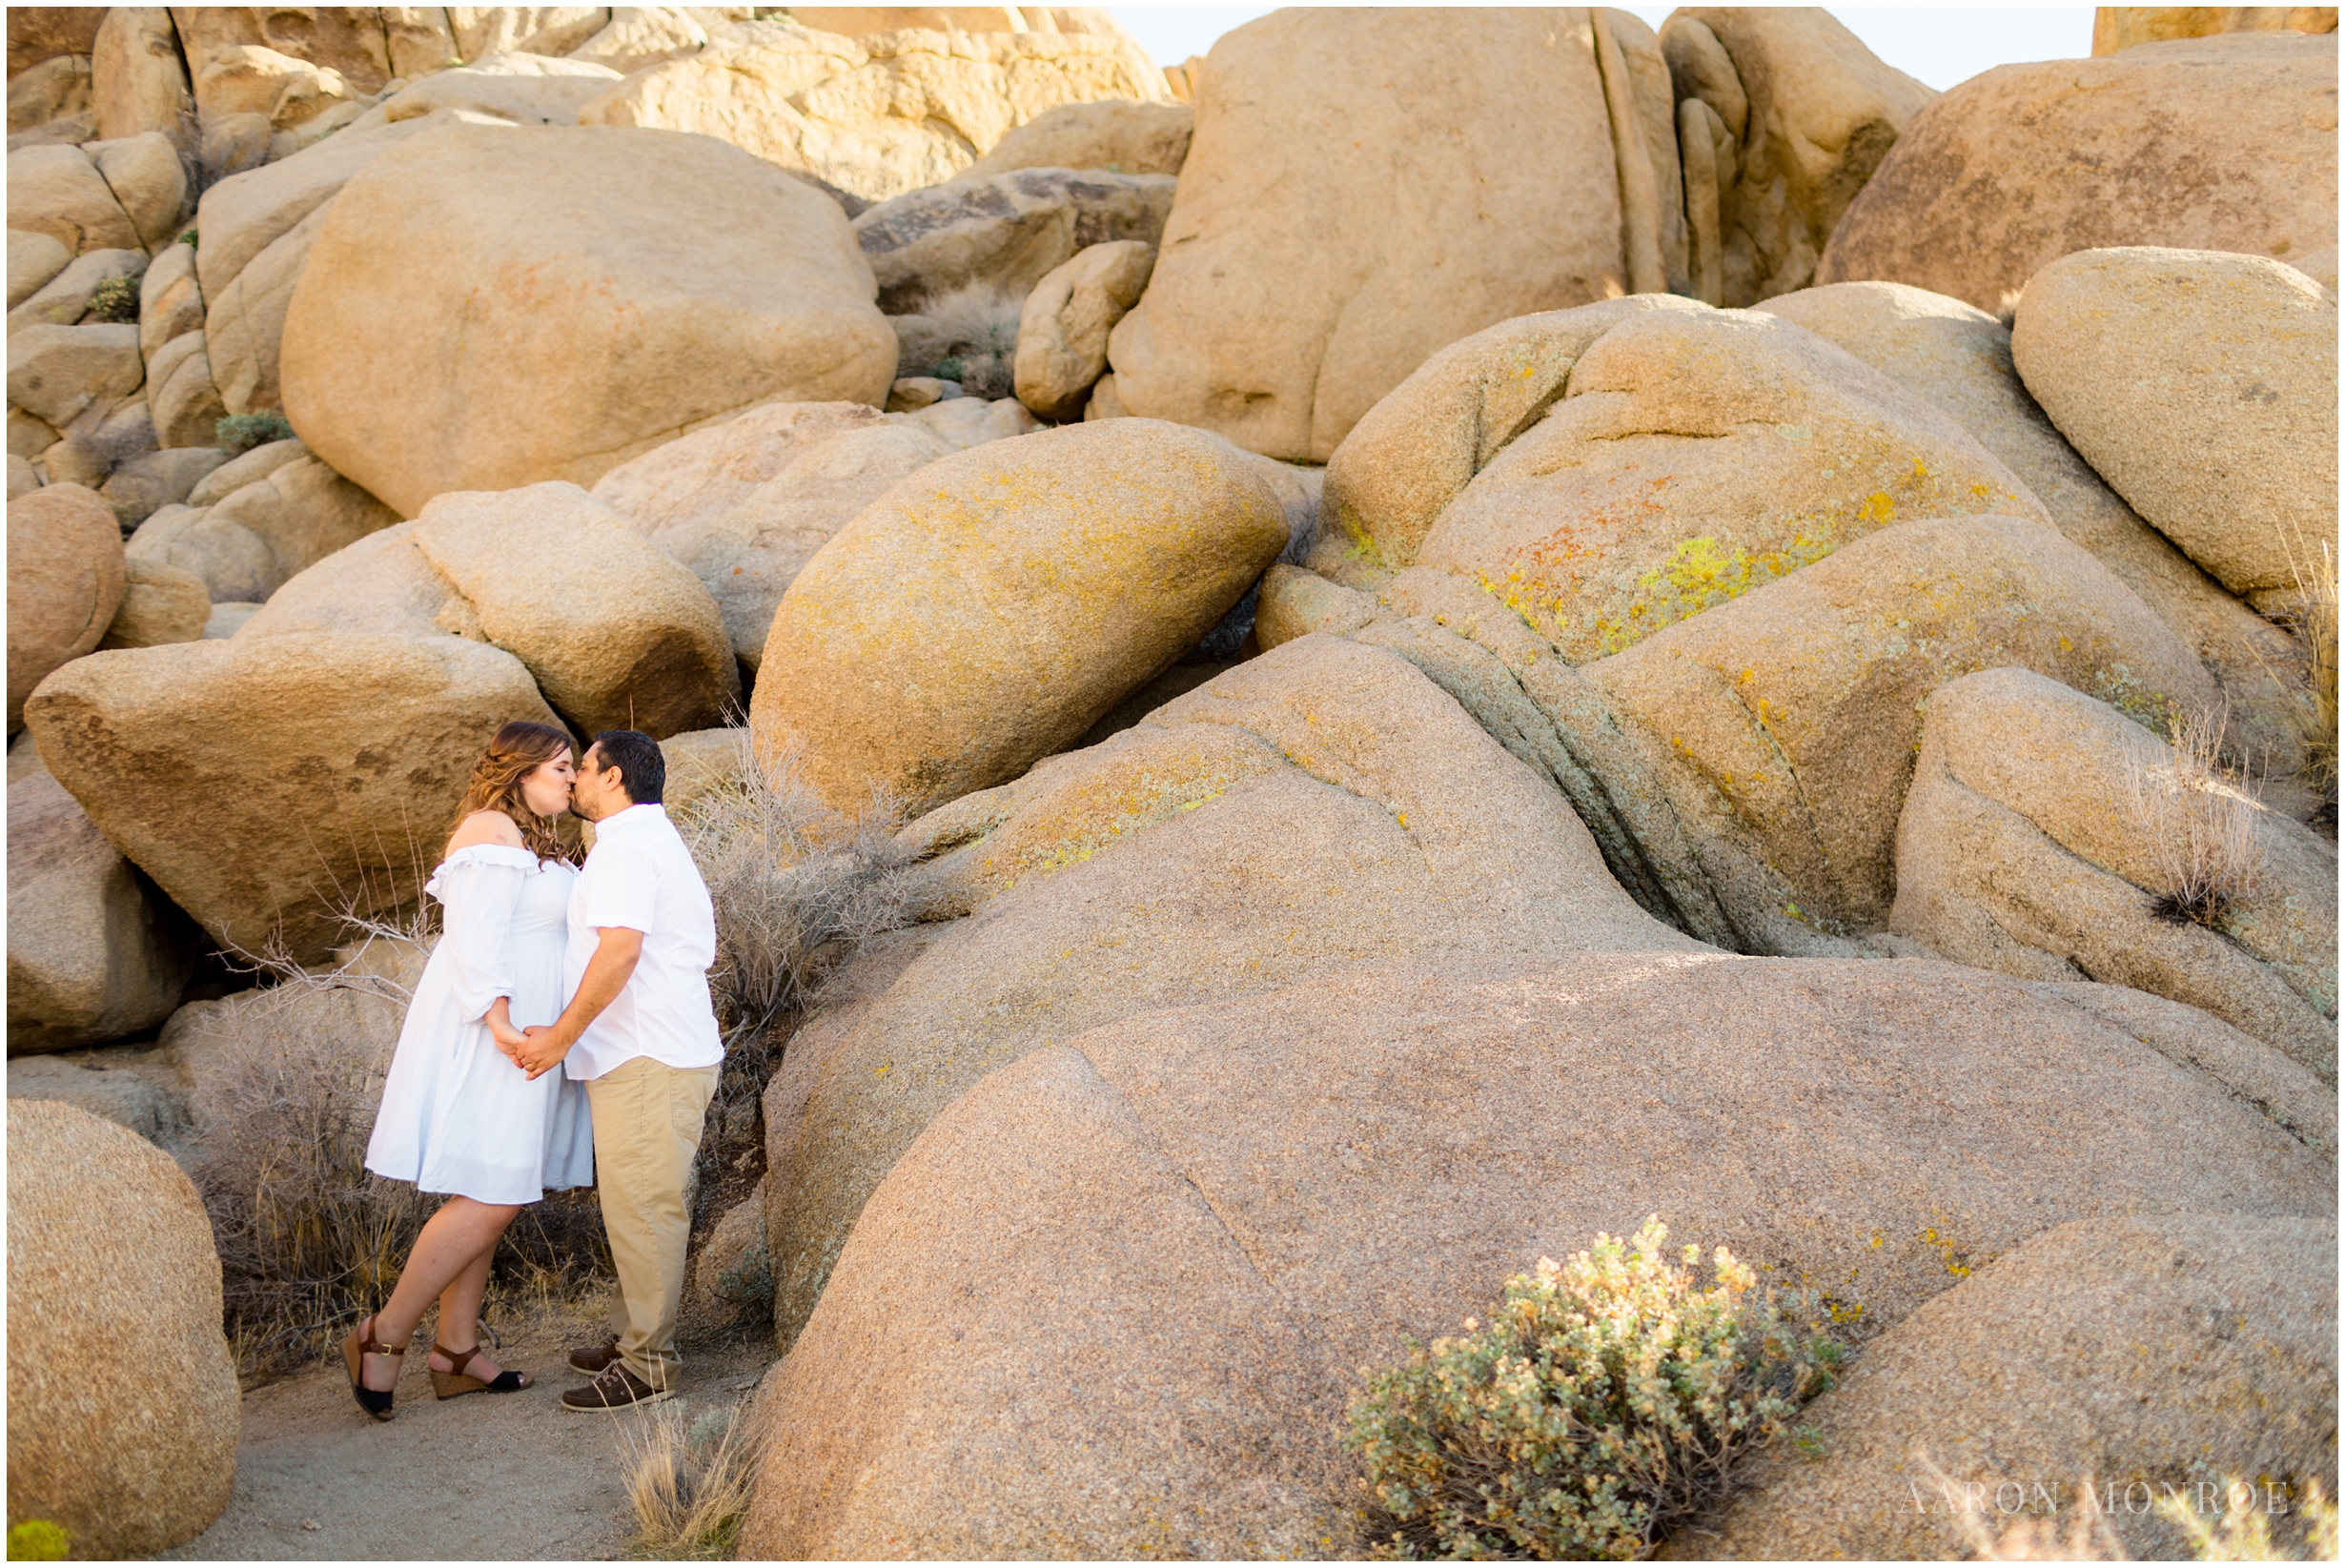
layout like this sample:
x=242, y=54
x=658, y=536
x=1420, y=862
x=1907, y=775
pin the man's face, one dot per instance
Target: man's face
x=597, y=793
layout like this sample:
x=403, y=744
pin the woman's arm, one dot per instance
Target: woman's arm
x=500, y=1021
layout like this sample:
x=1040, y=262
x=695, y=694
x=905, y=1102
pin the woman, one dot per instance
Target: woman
x=457, y=1116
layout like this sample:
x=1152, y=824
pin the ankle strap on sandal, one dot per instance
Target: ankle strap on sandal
x=369, y=1345
x=457, y=1360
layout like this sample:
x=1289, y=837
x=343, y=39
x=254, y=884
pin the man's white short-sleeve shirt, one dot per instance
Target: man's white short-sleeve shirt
x=639, y=875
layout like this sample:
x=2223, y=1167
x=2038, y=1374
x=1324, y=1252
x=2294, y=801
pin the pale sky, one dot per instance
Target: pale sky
x=1939, y=45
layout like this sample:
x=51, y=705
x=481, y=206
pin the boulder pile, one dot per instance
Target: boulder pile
x=1421, y=558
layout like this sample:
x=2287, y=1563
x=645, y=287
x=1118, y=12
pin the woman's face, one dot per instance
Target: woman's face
x=547, y=788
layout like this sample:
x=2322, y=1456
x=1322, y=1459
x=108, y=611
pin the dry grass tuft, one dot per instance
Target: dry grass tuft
x=689, y=1485
x=2196, y=821
x=2314, y=566
x=796, y=885
x=975, y=336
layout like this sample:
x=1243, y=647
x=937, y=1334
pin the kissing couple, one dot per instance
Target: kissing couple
x=561, y=1036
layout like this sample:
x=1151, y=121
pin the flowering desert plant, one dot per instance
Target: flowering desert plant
x=1606, y=1402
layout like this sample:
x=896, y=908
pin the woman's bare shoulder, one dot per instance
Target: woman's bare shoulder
x=485, y=827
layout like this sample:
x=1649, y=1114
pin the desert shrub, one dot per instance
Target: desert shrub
x=2194, y=819
x=974, y=334
x=117, y=299
x=796, y=884
x=37, y=1541
x=240, y=433
x=689, y=1485
x=310, y=1240
x=1606, y=1402
x=2313, y=621
x=2244, y=1533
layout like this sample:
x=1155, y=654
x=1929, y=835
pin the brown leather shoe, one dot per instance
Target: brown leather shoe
x=617, y=1389
x=591, y=1360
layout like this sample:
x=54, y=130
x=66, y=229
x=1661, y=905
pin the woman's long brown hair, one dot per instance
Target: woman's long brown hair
x=515, y=752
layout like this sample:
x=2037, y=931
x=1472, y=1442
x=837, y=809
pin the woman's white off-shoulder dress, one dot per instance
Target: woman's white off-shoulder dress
x=457, y=1116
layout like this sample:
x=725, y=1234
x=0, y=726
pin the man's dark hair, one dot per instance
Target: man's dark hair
x=641, y=768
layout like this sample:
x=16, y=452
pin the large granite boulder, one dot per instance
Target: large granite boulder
x=65, y=584
x=617, y=635
x=1279, y=323
x=271, y=785
x=403, y=373
x=1063, y=327
x=1958, y=359
x=1783, y=116
x=1149, y=1262
x=991, y=608
x=2129, y=1355
x=885, y=110
x=1692, y=456
x=109, y=1249
x=2218, y=144
x=2203, y=387
x=1319, y=807
x=2030, y=842
x=94, y=953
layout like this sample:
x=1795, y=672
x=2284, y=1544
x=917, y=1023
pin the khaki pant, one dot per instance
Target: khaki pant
x=647, y=1130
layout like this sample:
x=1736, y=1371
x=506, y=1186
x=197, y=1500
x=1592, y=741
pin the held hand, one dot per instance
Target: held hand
x=540, y=1051
x=508, y=1038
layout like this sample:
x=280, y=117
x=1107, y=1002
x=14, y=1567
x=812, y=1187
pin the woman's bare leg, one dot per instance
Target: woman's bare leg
x=460, y=1318
x=463, y=1232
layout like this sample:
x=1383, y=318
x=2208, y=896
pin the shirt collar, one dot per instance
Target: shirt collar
x=632, y=818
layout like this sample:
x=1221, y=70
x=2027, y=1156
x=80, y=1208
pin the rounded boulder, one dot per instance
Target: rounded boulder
x=994, y=606
x=122, y=1399
x=497, y=306
x=65, y=584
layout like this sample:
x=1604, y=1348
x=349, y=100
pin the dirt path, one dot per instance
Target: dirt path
x=487, y=1476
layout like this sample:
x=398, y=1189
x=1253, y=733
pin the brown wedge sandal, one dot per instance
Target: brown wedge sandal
x=361, y=1343
x=457, y=1381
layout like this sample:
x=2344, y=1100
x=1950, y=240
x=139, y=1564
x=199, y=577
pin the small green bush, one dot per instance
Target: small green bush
x=1604, y=1405
x=240, y=433
x=188, y=239
x=37, y=1541
x=117, y=299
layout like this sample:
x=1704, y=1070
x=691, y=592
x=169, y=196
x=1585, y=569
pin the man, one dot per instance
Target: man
x=641, y=1032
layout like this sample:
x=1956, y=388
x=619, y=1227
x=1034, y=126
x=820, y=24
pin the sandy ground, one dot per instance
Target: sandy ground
x=486, y=1476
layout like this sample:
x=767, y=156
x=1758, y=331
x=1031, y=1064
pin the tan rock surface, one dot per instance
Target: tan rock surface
x=2171, y=1352
x=1322, y=806
x=318, y=759
x=65, y=584
x=59, y=191
x=247, y=543
x=1124, y=137
x=1063, y=329
x=182, y=400
x=171, y=299
x=522, y=89
x=1695, y=455
x=1426, y=439
x=1810, y=113
x=617, y=635
x=35, y=258
x=2203, y=387
x=1004, y=599
x=56, y=89
x=256, y=228
x=1111, y=1302
x=108, y=1246
x=1800, y=704
x=381, y=586
x=138, y=78
x=160, y=603
x=233, y=564
x=146, y=178
x=1958, y=358
x=881, y=113
x=523, y=30
x=2020, y=848
x=63, y=299
x=94, y=953
x=44, y=32
x=2218, y=144
x=2122, y=27
x=1280, y=323
x=348, y=41
x=744, y=505
x=462, y=391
